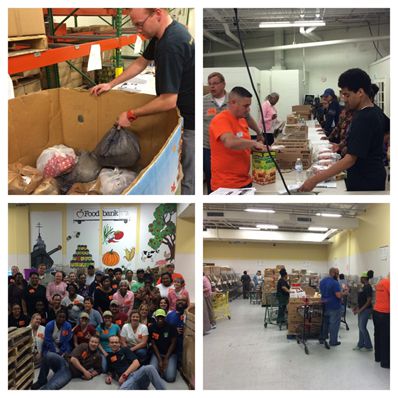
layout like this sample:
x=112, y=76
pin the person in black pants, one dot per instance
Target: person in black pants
x=282, y=294
x=245, y=279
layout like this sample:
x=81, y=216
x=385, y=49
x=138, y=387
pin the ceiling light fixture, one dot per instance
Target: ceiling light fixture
x=267, y=226
x=332, y=215
x=249, y=229
x=260, y=210
x=317, y=229
x=287, y=24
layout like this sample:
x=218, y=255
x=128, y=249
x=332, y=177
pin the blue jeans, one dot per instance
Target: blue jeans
x=142, y=378
x=207, y=168
x=331, y=325
x=62, y=375
x=104, y=363
x=171, y=371
x=364, y=338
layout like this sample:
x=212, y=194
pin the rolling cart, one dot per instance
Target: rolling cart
x=311, y=327
x=271, y=309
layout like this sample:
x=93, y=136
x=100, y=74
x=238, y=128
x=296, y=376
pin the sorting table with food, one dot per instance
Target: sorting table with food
x=334, y=187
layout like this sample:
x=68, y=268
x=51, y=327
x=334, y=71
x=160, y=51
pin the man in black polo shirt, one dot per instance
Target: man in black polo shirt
x=123, y=364
x=172, y=49
x=33, y=293
x=364, y=158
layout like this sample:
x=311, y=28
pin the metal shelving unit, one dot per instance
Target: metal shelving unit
x=68, y=47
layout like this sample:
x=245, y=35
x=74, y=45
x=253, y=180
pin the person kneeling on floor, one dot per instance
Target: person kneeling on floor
x=84, y=362
x=123, y=364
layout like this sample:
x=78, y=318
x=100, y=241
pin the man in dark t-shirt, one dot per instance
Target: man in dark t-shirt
x=364, y=158
x=33, y=293
x=172, y=49
x=123, y=365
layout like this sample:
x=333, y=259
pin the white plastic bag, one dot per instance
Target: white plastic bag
x=115, y=181
x=56, y=160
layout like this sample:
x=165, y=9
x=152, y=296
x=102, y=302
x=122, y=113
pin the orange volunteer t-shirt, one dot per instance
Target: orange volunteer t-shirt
x=382, y=302
x=229, y=168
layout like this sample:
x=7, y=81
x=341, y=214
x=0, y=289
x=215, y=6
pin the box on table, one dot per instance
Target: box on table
x=300, y=131
x=287, y=159
x=291, y=119
x=303, y=111
x=25, y=22
x=263, y=168
x=78, y=120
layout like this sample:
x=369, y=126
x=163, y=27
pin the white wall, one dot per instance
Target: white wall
x=185, y=265
x=323, y=64
x=380, y=71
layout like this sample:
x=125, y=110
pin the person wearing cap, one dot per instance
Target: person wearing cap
x=83, y=331
x=73, y=303
x=95, y=317
x=365, y=142
x=364, y=310
x=124, y=297
x=119, y=318
x=103, y=295
x=105, y=331
x=332, y=112
x=149, y=294
x=282, y=295
x=124, y=366
x=134, y=335
x=381, y=321
x=163, y=338
x=83, y=362
x=90, y=275
x=139, y=283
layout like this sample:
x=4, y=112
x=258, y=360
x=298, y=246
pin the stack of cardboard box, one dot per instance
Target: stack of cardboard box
x=188, y=353
x=295, y=315
x=296, y=131
x=302, y=111
x=293, y=149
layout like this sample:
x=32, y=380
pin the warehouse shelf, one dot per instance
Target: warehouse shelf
x=68, y=47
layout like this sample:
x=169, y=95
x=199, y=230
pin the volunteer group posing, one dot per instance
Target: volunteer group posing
x=85, y=324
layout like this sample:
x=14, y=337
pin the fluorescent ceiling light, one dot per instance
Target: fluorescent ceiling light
x=329, y=215
x=287, y=24
x=317, y=229
x=267, y=226
x=260, y=210
x=249, y=229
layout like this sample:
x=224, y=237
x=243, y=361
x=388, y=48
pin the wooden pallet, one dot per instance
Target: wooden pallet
x=22, y=45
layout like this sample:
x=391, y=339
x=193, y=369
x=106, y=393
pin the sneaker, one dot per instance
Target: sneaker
x=36, y=386
x=356, y=348
x=367, y=349
x=213, y=326
x=334, y=345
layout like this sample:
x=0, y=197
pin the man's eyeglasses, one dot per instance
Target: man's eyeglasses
x=140, y=25
x=215, y=83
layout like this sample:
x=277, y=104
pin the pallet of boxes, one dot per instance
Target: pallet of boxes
x=269, y=286
x=188, y=353
x=294, y=140
x=301, y=296
x=20, y=358
x=26, y=35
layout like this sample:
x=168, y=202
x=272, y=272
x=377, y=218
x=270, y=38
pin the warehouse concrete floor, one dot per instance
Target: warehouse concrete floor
x=242, y=354
x=98, y=383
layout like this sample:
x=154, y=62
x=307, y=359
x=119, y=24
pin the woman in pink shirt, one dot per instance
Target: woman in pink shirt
x=124, y=297
x=178, y=292
x=270, y=115
x=57, y=286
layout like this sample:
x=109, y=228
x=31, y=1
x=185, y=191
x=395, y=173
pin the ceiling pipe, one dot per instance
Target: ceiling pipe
x=297, y=46
x=217, y=39
x=230, y=34
x=308, y=33
x=220, y=19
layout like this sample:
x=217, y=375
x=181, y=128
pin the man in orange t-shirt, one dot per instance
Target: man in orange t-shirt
x=381, y=320
x=230, y=143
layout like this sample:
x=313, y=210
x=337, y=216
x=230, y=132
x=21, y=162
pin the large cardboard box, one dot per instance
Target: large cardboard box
x=302, y=111
x=27, y=86
x=296, y=131
x=188, y=353
x=78, y=120
x=25, y=22
x=287, y=159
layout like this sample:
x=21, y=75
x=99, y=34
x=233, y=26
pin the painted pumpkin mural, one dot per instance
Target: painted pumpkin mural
x=111, y=258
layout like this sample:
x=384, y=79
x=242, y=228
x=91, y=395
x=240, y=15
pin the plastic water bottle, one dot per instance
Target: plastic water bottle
x=299, y=172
